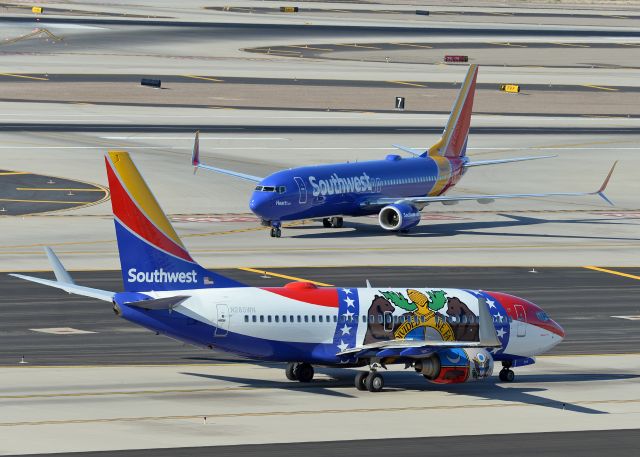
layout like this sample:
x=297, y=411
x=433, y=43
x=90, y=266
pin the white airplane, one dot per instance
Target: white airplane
x=446, y=335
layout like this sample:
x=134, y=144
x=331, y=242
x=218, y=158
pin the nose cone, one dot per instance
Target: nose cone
x=260, y=204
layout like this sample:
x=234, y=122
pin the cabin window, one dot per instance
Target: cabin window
x=380, y=319
x=327, y=319
x=313, y=318
x=282, y=189
x=364, y=319
x=299, y=318
x=335, y=318
x=320, y=318
x=269, y=318
x=276, y=318
x=261, y=318
x=306, y=318
x=254, y=318
x=246, y=318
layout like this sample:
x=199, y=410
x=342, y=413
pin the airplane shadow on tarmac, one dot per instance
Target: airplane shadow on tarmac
x=449, y=229
x=397, y=381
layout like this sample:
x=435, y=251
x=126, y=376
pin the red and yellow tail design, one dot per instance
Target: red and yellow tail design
x=453, y=142
x=152, y=255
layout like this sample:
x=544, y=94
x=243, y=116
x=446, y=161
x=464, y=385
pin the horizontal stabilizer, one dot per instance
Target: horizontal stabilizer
x=100, y=294
x=161, y=303
x=480, y=163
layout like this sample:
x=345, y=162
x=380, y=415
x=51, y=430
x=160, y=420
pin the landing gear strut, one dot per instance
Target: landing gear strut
x=371, y=381
x=302, y=372
x=275, y=230
x=335, y=222
x=506, y=374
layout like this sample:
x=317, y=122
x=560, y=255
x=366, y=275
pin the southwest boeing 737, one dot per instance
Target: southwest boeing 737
x=396, y=188
x=446, y=335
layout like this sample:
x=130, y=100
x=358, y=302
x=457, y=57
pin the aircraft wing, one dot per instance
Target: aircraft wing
x=487, y=338
x=483, y=199
x=480, y=163
x=195, y=161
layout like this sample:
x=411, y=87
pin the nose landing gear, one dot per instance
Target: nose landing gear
x=302, y=372
x=276, y=232
x=507, y=374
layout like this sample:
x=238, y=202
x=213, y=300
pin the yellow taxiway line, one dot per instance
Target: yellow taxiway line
x=43, y=201
x=203, y=77
x=24, y=76
x=407, y=83
x=7, y=173
x=280, y=275
x=612, y=272
x=59, y=189
x=600, y=87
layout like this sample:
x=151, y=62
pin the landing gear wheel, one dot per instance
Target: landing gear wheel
x=290, y=371
x=326, y=222
x=273, y=232
x=361, y=380
x=337, y=222
x=374, y=382
x=278, y=232
x=304, y=372
x=507, y=375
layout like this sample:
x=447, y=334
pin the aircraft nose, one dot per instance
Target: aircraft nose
x=259, y=204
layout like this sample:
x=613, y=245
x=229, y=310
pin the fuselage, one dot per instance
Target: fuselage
x=343, y=189
x=305, y=323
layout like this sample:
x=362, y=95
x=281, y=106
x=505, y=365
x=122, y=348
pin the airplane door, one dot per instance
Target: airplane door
x=222, y=322
x=302, y=188
x=521, y=317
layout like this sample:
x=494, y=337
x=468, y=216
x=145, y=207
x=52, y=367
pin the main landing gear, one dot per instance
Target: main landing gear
x=335, y=222
x=302, y=372
x=507, y=374
x=371, y=381
x=276, y=232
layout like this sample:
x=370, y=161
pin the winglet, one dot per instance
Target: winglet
x=604, y=185
x=195, y=156
x=62, y=275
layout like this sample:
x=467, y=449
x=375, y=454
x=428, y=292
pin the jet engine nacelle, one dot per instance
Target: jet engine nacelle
x=451, y=366
x=399, y=216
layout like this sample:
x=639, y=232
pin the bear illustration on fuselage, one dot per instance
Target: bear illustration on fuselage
x=465, y=328
x=375, y=327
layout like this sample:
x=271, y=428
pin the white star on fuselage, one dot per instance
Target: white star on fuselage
x=348, y=314
x=349, y=302
x=491, y=303
x=500, y=333
x=346, y=291
x=343, y=346
x=346, y=330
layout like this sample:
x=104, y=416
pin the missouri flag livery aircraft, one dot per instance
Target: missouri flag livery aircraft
x=446, y=335
x=396, y=188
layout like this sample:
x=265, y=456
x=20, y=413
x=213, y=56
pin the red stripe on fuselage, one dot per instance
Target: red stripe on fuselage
x=130, y=215
x=319, y=296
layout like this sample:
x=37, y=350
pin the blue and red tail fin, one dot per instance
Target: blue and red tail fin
x=453, y=143
x=152, y=255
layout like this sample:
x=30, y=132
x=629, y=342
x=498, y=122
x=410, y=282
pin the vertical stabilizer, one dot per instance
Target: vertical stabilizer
x=453, y=142
x=152, y=255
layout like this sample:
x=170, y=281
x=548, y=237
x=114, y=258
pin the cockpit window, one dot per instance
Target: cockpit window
x=542, y=316
x=281, y=189
x=266, y=188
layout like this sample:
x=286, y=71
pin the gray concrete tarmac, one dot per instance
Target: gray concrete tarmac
x=559, y=444
x=581, y=300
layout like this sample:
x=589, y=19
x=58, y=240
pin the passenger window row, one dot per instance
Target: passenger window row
x=377, y=318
